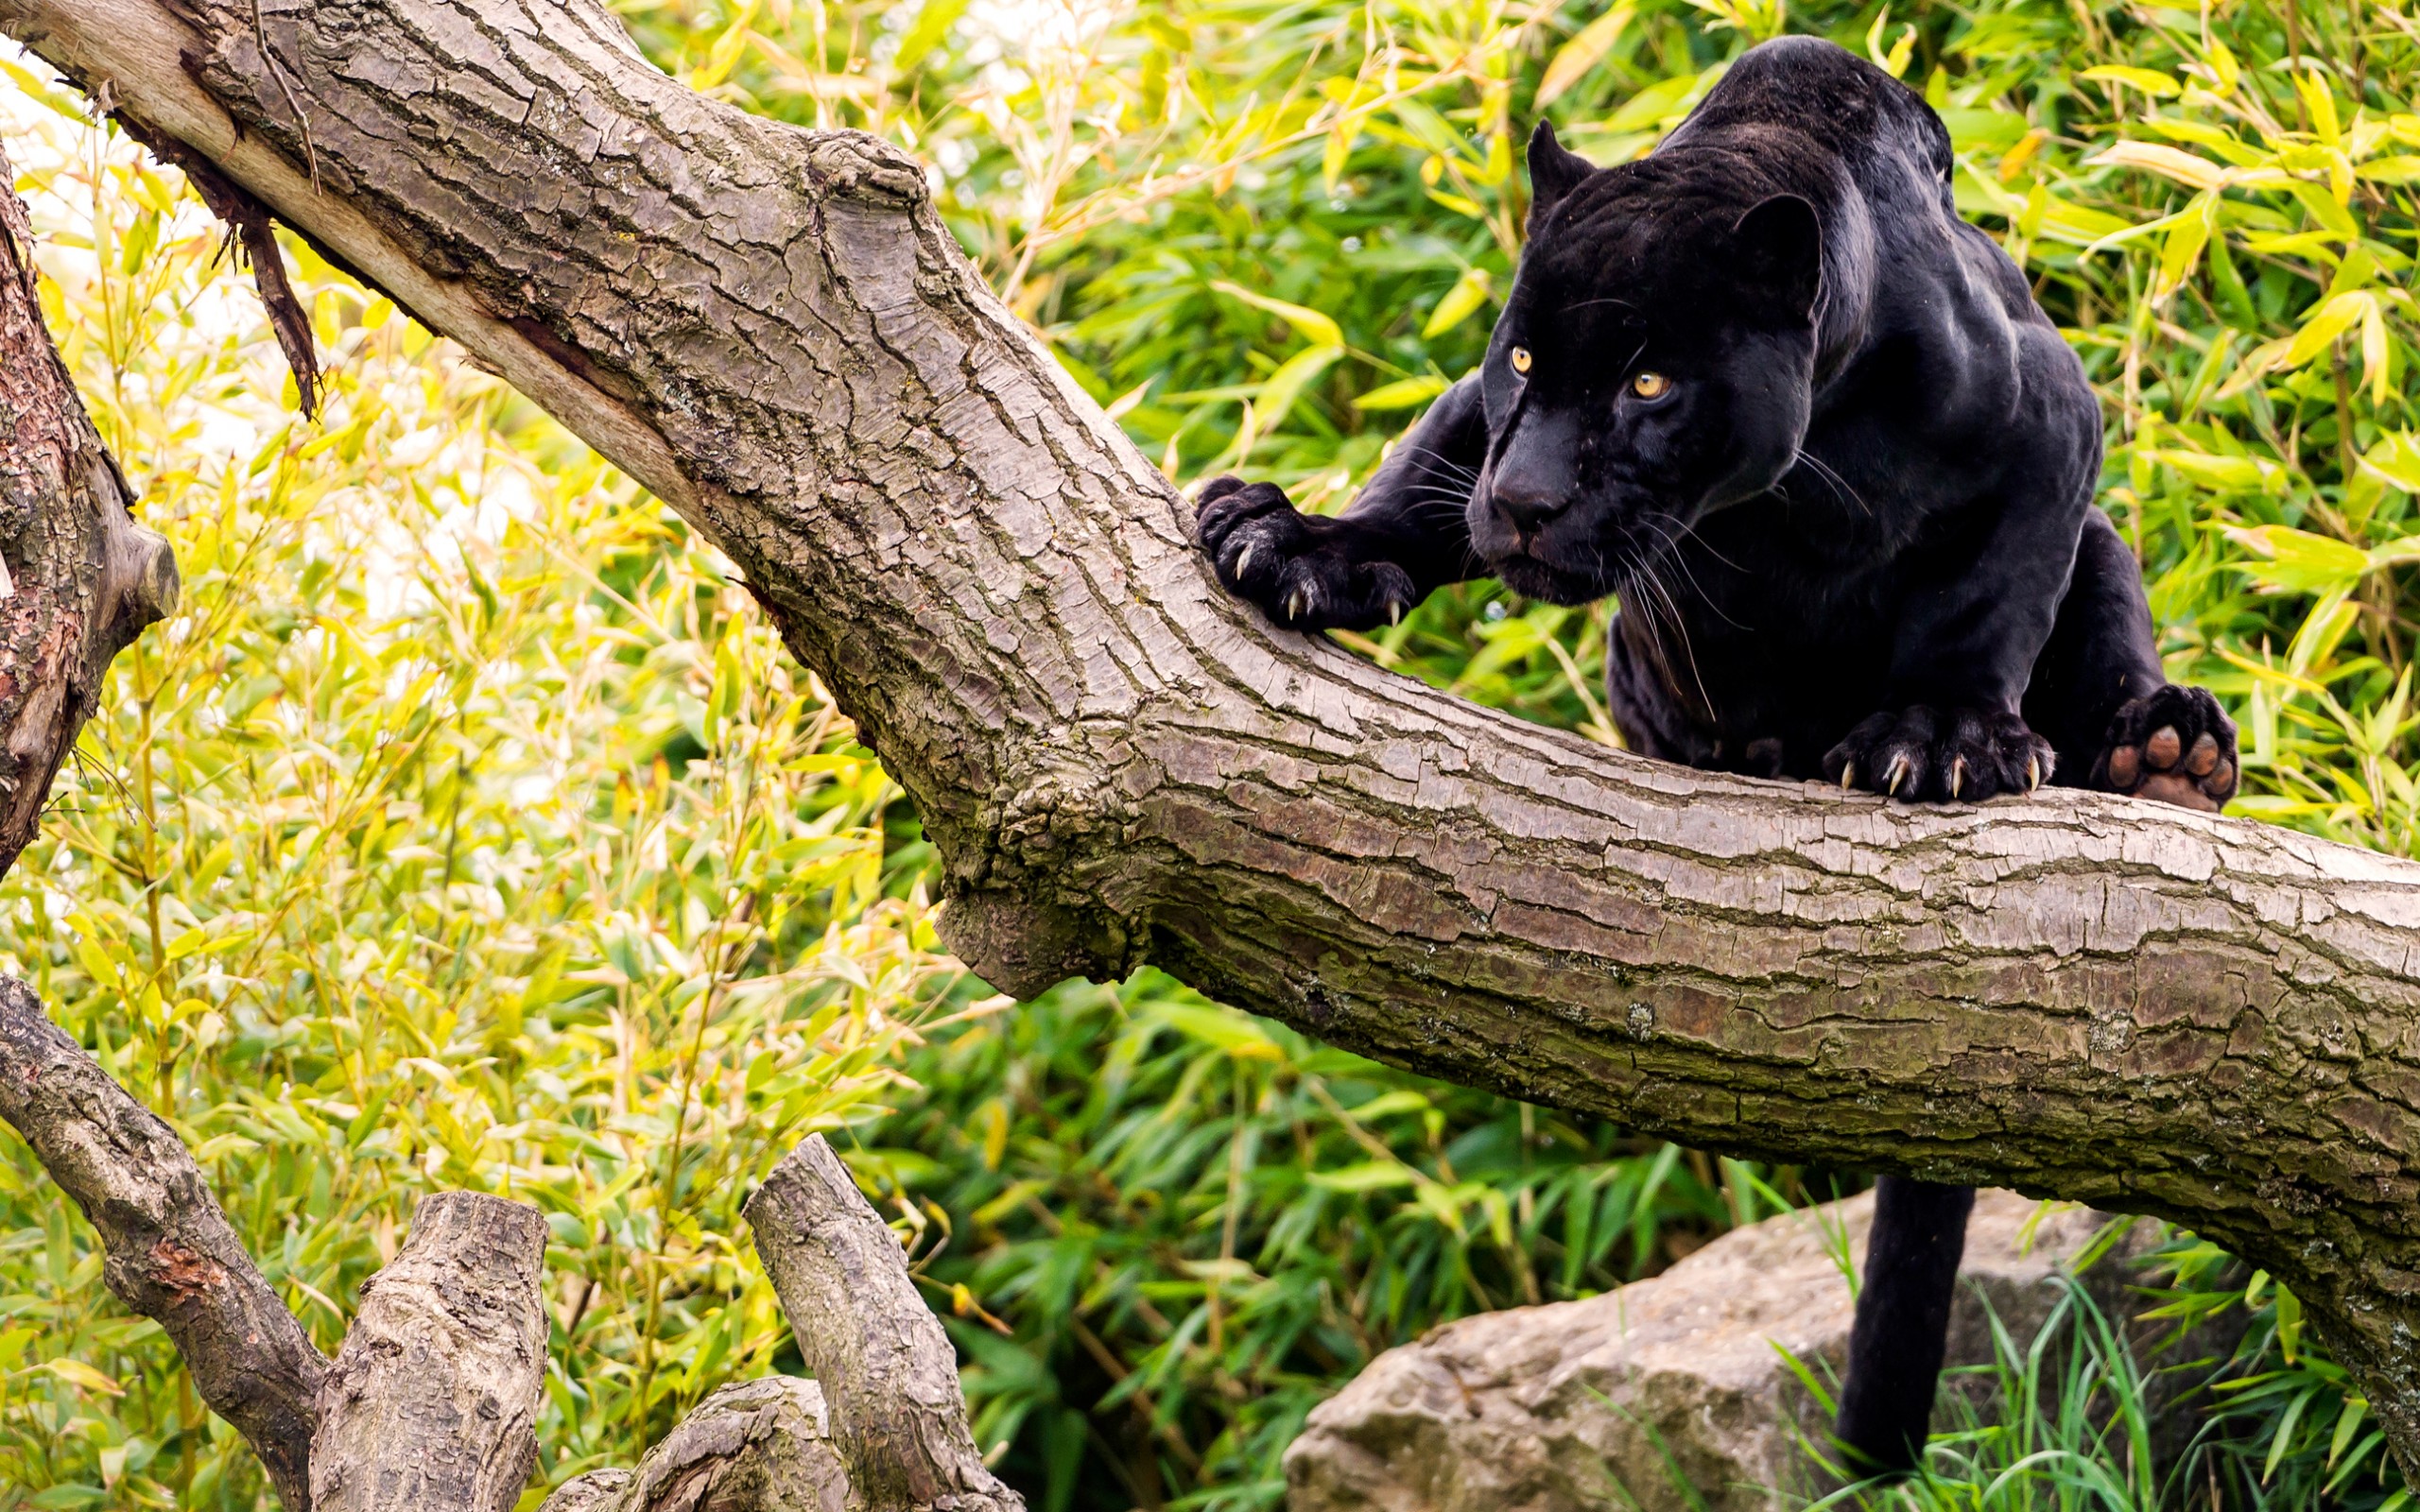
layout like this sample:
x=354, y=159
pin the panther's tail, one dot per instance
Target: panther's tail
x=1902, y=1321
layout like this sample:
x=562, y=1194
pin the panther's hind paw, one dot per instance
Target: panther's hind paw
x=2175, y=746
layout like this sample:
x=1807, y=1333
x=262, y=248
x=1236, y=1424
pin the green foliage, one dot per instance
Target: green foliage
x=464, y=830
x=1171, y=1228
x=384, y=872
x=2085, y=1415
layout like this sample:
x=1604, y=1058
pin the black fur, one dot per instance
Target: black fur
x=1902, y=1324
x=1853, y=538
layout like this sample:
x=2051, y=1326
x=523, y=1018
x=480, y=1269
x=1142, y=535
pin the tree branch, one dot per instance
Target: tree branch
x=2141, y=1008
x=79, y=578
x=170, y=1254
x=886, y=1369
x=433, y=1401
x=756, y=1446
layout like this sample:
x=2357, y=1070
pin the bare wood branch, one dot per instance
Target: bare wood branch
x=2129, y=1005
x=170, y=1253
x=757, y=1446
x=432, y=1403
x=79, y=578
x=888, y=1372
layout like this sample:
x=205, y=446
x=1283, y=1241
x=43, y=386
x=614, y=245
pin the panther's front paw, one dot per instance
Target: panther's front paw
x=2176, y=746
x=1290, y=564
x=1941, y=754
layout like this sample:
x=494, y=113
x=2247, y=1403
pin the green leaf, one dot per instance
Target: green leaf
x=1586, y=48
x=932, y=23
x=1370, y=1175
x=1469, y=293
x=1402, y=394
x=2149, y=80
x=1308, y=323
x=2299, y=562
x=1225, y=1029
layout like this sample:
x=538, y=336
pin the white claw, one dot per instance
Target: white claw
x=1243, y=560
x=1848, y=776
x=1395, y=612
x=1957, y=775
x=1294, y=602
x=2033, y=773
x=1898, y=774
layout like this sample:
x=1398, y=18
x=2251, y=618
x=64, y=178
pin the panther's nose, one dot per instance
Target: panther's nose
x=1526, y=505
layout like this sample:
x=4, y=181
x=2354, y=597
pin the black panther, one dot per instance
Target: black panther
x=1811, y=429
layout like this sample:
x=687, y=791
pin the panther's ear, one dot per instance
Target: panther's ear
x=1780, y=247
x=1553, y=172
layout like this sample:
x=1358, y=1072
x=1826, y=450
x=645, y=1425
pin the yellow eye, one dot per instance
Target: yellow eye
x=1651, y=385
x=1520, y=359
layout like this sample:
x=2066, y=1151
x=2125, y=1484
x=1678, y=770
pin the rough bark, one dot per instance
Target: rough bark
x=169, y=1252
x=79, y=578
x=886, y=1367
x=433, y=1401
x=756, y=1446
x=430, y=1406
x=2144, y=1009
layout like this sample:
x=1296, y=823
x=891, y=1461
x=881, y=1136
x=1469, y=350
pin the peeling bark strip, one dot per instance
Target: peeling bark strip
x=433, y=1401
x=79, y=578
x=2144, y=1009
x=879, y=1354
x=170, y=1253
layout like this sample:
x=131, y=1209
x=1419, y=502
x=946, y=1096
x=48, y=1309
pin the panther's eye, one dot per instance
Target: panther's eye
x=1520, y=359
x=1651, y=385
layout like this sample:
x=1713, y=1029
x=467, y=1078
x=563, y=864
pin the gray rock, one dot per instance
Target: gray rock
x=1676, y=1382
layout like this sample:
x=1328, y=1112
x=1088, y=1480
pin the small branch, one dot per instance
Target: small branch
x=758, y=1446
x=886, y=1367
x=253, y=233
x=432, y=1403
x=171, y=1255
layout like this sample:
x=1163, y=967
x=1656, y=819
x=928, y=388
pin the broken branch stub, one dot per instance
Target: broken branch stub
x=888, y=1371
x=433, y=1402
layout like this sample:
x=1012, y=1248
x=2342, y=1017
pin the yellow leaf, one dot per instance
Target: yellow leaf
x=1586, y=48
x=1893, y=62
x=1401, y=394
x=2333, y=319
x=2174, y=163
x=1282, y=388
x=76, y=1373
x=1469, y=292
x=1308, y=323
x=2150, y=82
x=1338, y=153
x=2402, y=168
x=2374, y=351
x=2182, y=249
x=2322, y=102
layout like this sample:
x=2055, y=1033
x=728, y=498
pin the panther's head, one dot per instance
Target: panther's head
x=1653, y=364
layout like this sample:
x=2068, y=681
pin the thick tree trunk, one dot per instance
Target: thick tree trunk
x=2077, y=996
x=79, y=578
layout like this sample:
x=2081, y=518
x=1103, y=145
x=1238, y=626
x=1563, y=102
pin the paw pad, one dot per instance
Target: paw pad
x=2175, y=746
